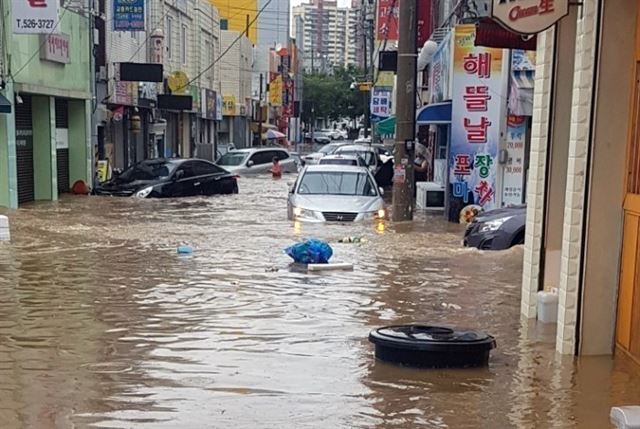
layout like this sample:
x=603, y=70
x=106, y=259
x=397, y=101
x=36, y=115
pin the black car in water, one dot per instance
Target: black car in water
x=497, y=229
x=167, y=178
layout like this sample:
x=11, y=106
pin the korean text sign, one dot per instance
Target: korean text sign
x=387, y=22
x=35, y=16
x=380, y=104
x=475, y=123
x=128, y=15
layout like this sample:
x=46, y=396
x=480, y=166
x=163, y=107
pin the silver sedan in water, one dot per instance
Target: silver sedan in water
x=338, y=193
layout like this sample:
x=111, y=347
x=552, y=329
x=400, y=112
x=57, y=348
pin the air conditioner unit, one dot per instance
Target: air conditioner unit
x=429, y=196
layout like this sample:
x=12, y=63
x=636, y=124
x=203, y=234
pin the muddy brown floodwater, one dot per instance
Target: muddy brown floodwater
x=102, y=324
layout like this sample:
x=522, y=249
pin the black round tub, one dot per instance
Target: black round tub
x=432, y=346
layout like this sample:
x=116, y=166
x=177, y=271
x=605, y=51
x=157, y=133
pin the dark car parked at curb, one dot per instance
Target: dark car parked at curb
x=167, y=178
x=497, y=229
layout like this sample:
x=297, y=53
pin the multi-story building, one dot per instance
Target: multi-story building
x=133, y=122
x=235, y=87
x=46, y=104
x=330, y=34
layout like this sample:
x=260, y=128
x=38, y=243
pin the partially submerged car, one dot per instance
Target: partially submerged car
x=314, y=157
x=338, y=193
x=257, y=160
x=342, y=160
x=172, y=177
x=497, y=229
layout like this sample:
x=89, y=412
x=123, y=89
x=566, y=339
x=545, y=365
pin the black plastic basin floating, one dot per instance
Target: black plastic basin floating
x=432, y=346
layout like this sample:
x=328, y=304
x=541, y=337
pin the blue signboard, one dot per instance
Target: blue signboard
x=128, y=15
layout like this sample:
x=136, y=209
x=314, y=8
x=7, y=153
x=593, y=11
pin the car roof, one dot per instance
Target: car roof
x=340, y=156
x=333, y=168
x=256, y=149
x=355, y=148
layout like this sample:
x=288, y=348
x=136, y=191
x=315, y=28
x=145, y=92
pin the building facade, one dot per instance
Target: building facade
x=330, y=34
x=45, y=132
x=583, y=211
x=235, y=87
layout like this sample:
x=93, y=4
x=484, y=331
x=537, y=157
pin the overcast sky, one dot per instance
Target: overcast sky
x=340, y=2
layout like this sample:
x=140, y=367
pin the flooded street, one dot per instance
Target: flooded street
x=102, y=324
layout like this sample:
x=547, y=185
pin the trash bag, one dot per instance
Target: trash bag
x=310, y=251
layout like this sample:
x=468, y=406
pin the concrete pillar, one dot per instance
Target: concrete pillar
x=606, y=180
x=45, y=173
x=537, y=172
x=8, y=172
x=80, y=148
x=583, y=98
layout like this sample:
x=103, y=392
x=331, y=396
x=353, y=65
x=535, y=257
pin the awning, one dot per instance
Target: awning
x=5, y=105
x=521, y=93
x=386, y=128
x=436, y=113
x=492, y=35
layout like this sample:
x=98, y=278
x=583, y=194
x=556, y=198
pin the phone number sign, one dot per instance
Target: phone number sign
x=35, y=16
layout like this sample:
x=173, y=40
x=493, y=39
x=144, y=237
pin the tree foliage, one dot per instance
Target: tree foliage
x=330, y=95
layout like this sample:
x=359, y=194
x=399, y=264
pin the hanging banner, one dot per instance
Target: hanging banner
x=514, y=174
x=219, y=107
x=424, y=22
x=34, y=16
x=529, y=16
x=475, y=123
x=380, y=104
x=128, y=15
x=387, y=20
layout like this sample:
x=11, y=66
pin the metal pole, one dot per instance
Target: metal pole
x=260, y=112
x=405, y=113
x=365, y=98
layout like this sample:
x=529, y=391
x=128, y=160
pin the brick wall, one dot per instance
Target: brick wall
x=586, y=39
x=537, y=172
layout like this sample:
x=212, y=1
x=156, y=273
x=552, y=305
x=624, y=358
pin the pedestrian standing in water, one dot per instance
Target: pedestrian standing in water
x=276, y=169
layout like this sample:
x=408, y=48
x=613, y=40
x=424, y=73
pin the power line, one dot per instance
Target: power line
x=237, y=39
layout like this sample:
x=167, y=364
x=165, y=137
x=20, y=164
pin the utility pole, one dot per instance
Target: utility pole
x=365, y=95
x=405, y=113
x=260, y=113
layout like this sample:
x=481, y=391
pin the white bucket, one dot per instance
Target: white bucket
x=548, y=306
x=5, y=235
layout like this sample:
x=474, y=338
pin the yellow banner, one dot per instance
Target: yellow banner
x=275, y=91
x=385, y=79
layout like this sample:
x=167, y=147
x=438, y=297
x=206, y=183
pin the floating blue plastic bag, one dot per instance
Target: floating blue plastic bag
x=310, y=251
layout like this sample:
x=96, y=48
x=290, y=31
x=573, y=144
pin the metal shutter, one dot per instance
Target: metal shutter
x=24, y=150
x=62, y=156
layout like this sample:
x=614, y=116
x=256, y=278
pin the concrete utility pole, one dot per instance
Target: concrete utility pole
x=405, y=113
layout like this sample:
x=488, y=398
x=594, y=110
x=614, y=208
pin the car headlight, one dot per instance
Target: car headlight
x=304, y=213
x=378, y=214
x=144, y=192
x=494, y=224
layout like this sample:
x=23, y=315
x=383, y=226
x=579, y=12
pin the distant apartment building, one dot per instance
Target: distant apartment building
x=330, y=34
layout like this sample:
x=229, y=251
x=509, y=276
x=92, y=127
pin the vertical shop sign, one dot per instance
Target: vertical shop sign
x=128, y=15
x=513, y=180
x=440, y=77
x=34, y=16
x=387, y=20
x=380, y=104
x=475, y=123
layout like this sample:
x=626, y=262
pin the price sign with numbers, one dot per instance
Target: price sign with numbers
x=34, y=16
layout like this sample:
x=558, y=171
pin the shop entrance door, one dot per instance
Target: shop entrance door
x=628, y=317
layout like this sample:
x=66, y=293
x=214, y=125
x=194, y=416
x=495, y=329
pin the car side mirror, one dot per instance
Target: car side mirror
x=116, y=172
x=179, y=175
x=250, y=163
x=381, y=191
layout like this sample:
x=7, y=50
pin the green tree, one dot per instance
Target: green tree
x=330, y=95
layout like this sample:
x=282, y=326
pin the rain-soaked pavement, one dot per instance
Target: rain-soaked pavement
x=102, y=324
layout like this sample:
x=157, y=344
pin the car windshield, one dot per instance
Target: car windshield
x=368, y=157
x=147, y=170
x=232, y=158
x=337, y=183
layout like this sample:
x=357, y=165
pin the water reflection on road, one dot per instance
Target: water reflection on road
x=102, y=324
